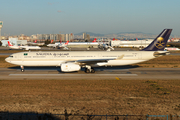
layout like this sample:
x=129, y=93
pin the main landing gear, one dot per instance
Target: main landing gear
x=89, y=69
x=22, y=68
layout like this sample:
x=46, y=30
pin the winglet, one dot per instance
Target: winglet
x=159, y=42
x=120, y=57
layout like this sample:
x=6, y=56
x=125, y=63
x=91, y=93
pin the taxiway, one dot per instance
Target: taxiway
x=53, y=73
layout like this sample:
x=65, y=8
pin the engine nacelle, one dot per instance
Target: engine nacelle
x=69, y=67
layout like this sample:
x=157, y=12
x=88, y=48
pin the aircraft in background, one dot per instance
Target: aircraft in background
x=70, y=61
x=53, y=45
x=89, y=44
x=171, y=48
x=35, y=43
x=105, y=46
x=23, y=47
x=64, y=45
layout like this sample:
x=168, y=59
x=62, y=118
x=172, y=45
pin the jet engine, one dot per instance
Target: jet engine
x=69, y=67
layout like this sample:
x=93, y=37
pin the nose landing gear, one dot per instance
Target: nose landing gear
x=22, y=68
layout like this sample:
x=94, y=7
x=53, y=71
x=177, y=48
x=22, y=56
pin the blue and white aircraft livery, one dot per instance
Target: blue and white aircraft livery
x=70, y=61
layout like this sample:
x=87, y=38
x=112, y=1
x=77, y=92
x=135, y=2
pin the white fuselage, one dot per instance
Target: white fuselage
x=25, y=47
x=171, y=49
x=56, y=58
x=74, y=44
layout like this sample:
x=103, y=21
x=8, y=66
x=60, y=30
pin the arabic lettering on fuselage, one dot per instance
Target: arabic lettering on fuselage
x=54, y=54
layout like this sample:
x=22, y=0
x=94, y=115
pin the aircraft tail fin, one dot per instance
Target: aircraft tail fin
x=67, y=42
x=35, y=41
x=9, y=44
x=159, y=42
x=94, y=40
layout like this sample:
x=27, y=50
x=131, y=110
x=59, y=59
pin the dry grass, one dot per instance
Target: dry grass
x=97, y=97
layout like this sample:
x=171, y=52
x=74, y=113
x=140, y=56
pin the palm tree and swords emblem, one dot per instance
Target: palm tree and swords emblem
x=160, y=44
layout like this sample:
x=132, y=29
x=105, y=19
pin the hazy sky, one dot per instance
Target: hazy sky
x=99, y=16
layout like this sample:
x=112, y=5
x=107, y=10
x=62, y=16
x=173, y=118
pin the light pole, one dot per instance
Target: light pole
x=1, y=25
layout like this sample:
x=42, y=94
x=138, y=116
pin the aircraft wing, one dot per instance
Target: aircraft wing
x=94, y=61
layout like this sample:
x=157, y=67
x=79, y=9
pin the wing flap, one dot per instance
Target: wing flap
x=91, y=61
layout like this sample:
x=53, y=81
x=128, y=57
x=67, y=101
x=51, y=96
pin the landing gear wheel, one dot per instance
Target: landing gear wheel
x=92, y=70
x=87, y=70
x=22, y=68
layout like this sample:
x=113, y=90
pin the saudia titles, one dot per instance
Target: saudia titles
x=160, y=43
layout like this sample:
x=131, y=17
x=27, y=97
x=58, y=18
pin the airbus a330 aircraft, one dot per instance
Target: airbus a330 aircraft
x=23, y=47
x=73, y=60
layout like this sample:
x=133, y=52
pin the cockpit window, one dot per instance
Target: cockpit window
x=11, y=56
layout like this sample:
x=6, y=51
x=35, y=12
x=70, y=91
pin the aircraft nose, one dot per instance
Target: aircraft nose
x=7, y=59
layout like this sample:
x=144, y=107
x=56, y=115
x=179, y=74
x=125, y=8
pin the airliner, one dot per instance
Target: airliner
x=53, y=45
x=23, y=47
x=171, y=49
x=106, y=47
x=35, y=43
x=90, y=44
x=64, y=45
x=70, y=61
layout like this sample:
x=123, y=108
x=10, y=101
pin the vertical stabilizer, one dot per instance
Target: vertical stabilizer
x=9, y=44
x=94, y=40
x=159, y=42
x=67, y=42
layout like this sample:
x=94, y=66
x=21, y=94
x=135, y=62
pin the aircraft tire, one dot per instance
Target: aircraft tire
x=87, y=70
x=92, y=70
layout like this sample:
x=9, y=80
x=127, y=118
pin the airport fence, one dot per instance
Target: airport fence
x=36, y=116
